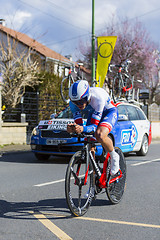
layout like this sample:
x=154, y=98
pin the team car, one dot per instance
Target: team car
x=132, y=133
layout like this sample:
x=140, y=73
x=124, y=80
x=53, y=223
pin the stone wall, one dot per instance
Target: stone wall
x=154, y=112
x=155, y=127
x=13, y=133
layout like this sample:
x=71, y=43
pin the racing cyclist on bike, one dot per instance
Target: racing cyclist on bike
x=101, y=120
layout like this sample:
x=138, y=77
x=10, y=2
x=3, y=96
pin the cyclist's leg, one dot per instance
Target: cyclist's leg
x=106, y=124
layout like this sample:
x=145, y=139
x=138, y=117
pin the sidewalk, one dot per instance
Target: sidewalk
x=13, y=148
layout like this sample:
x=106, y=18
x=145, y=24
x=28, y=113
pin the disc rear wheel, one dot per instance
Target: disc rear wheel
x=116, y=189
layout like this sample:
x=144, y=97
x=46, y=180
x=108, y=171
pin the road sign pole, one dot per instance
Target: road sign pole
x=93, y=44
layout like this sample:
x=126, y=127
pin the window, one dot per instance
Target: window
x=141, y=114
x=122, y=110
x=132, y=113
x=66, y=113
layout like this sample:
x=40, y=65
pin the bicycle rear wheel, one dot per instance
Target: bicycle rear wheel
x=78, y=195
x=116, y=189
x=65, y=85
x=116, y=88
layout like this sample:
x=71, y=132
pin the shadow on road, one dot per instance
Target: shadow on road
x=28, y=157
x=53, y=208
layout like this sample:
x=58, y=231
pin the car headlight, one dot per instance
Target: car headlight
x=35, y=131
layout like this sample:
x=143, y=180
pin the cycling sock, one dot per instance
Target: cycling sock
x=114, y=162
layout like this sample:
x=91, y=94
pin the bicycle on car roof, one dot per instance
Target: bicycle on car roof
x=69, y=80
x=122, y=85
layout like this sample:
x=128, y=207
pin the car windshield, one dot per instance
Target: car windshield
x=66, y=113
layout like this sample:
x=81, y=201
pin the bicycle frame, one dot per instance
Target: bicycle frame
x=103, y=182
x=124, y=88
x=85, y=178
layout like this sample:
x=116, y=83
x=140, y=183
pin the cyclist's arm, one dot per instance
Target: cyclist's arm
x=76, y=114
x=95, y=119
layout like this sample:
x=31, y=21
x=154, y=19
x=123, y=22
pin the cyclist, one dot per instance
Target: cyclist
x=101, y=119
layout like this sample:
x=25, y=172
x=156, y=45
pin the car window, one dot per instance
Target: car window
x=66, y=113
x=141, y=114
x=122, y=110
x=132, y=113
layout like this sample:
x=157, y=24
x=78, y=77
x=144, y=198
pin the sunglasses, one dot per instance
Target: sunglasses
x=80, y=102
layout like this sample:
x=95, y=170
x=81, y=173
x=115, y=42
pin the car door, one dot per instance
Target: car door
x=140, y=124
x=125, y=132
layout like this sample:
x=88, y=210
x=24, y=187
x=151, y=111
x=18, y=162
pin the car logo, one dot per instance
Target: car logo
x=56, y=131
x=129, y=136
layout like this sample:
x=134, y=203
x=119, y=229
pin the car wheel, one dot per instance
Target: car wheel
x=144, y=147
x=41, y=157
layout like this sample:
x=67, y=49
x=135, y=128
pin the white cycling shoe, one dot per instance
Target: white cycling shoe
x=114, y=163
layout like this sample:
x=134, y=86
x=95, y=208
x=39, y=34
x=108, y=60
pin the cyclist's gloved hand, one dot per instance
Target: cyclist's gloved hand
x=70, y=128
x=78, y=129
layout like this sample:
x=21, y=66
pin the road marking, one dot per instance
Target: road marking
x=105, y=220
x=49, y=183
x=51, y=226
x=119, y=222
x=141, y=163
x=53, y=182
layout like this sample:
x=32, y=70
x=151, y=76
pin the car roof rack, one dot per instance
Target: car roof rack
x=131, y=101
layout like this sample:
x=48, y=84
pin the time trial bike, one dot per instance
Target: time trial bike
x=85, y=178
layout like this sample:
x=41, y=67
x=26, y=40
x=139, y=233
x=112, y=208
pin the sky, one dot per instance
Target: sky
x=62, y=24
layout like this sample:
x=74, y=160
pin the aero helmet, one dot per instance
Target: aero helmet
x=79, y=90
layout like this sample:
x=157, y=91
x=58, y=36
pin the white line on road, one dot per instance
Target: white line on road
x=62, y=180
x=49, y=183
x=141, y=163
x=53, y=182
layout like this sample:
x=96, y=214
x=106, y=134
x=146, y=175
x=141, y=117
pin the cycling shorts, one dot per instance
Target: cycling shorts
x=108, y=119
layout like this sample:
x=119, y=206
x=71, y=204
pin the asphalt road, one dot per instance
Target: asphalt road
x=33, y=206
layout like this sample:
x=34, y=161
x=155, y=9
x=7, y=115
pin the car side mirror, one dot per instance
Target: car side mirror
x=122, y=117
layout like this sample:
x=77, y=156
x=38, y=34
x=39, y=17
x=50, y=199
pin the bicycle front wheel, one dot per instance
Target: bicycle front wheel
x=79, y=186
x=116, y=88
x=65, y=85
x=116, y=189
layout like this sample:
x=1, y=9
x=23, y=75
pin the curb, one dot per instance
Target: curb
x=155, y=141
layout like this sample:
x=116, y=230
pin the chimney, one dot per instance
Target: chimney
x=69, y=57
x=2, y=22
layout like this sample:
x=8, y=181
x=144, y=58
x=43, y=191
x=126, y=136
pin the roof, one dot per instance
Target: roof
x=38, y=47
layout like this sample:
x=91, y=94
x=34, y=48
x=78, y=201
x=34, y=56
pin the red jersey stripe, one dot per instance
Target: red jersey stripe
x=94, y=121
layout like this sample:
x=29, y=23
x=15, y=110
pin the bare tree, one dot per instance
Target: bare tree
x=17, y=69
x=133, y=43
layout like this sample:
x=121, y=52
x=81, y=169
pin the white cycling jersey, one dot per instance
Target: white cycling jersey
x=100, y=101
